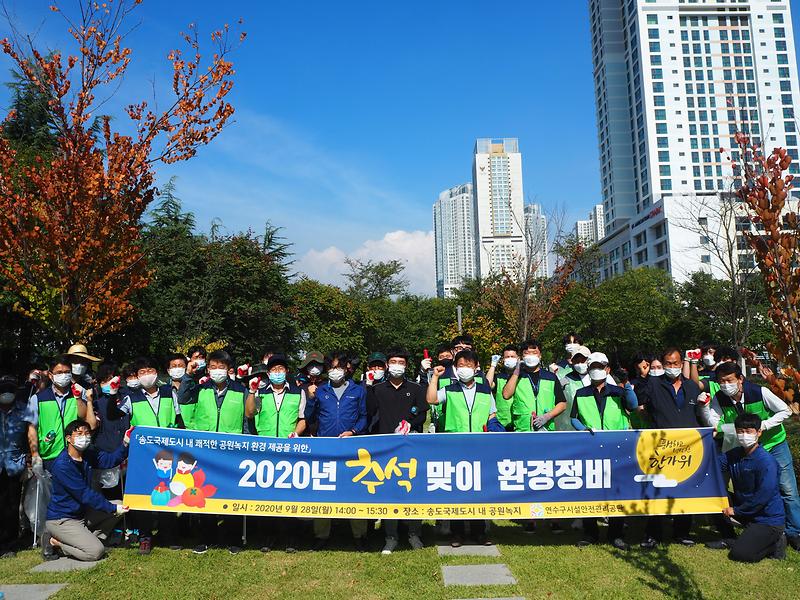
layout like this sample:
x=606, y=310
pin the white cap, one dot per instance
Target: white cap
x=597, y=357
x=582, y=350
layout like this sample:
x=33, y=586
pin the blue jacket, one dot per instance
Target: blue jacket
x=72, y=483
x=756, y=494
x=337, y=416
x=14, y=438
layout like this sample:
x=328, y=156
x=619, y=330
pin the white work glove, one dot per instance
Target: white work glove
x=554, y=368
x=243, y=371
x=253, y=385
x=204, y=380
x=703, y=399
x=121, y=509
x=403, y=428
x=426, y=364
x=293, y=435
x=37, y=464
x=539, y=421
x=114, y=385
x=495, y=359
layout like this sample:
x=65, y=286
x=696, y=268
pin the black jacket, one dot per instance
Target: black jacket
x=658, y=397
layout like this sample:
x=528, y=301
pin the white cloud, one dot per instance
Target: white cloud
x=413, y=248
x=657, y=479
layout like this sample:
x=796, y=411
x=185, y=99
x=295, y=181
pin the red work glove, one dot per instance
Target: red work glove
x=243, y=371
x=204, y=380
x=77, y=390
x=254, y=383
x=126, y=439
x=114, y=385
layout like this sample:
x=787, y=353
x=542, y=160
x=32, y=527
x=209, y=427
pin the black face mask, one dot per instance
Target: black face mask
x=446, y=362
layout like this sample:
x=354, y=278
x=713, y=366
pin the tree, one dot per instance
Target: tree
x=70, y=248
x=373, y=280
x=765, y=193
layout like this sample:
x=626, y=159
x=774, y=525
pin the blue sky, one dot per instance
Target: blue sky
x=352, y=116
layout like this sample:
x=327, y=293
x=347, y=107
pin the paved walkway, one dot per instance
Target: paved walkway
x=472, y=575
x=39, y=591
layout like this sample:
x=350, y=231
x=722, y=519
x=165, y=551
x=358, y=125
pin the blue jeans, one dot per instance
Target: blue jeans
x=788, y=485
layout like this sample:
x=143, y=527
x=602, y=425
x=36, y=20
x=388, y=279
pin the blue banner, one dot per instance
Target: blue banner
x=427, y=476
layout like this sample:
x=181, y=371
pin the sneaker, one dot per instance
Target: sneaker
x=456, y=542
x=619, y=544
x=234, y=549
x=687, y=542
x=145, y=545
x=649, y=544
x=415, y=542
x=483, y=540
x=319, y=544
x=200, y=549
x=390, y=545
x=585, y=543
x=48, y=550
x=780, y=548
x=265, y=549
x=360, y=544
x=175, y=547
x=719, y=544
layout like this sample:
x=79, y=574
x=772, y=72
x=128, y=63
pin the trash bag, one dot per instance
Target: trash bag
x=37, y=497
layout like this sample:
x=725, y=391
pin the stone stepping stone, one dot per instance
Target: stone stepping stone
x=63, y=564
x=496, y=574
x=468, y=551
x=38, y=591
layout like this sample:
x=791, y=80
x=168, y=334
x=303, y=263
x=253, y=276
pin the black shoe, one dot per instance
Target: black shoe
x=585, y=543
x=719, y=544
x=360, y=544
x=483, y=540
x=320, y=544
x=234, y=549
x=176, y=547
x=619, y=544
x=687, y=542
x=649, y=544
x=794, y=541
x=456, y=542
x=48, y=550
x=780, y=548
x=530, y=527
x=200, y=549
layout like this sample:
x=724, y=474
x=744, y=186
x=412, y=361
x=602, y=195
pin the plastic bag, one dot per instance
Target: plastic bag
x=107, y=478
x=37, y=497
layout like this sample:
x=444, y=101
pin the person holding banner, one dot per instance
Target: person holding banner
x=398, y=406
x=469, y=407
x=217, y=404
x=738, y=396
x=601, y=406
x=340, y=410
x=77, y=515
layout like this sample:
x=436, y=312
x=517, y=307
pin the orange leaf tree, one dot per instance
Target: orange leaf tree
x=765, y=186
x=69, y=223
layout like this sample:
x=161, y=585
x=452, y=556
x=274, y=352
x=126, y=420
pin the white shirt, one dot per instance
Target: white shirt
x=771, y=401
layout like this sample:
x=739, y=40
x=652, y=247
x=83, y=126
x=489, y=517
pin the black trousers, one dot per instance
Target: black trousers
x=757, y=541
x=10, y=492
x=615, y=528
x=681, y=526
x=477, y=528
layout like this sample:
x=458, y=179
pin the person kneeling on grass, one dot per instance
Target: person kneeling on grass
x=78, y=516
x=757, y=502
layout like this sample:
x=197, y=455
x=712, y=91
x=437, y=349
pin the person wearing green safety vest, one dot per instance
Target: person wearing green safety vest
x=469, y=408
x=597, y=407
x=218, y=403
x=276, y=408
x=536, y=394
x=497, y=378
x=576, y=379
x=572, y=341
x=52, y=409
x=706, y=378
x=738, y=396
x=150, y=405
x=176, y=364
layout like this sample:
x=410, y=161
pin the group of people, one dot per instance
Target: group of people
x=72, y=426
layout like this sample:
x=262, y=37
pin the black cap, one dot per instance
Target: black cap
x=277, y=359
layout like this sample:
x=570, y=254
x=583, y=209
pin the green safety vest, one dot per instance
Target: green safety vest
x=272, y=421
x=564, y=371
x=563, y=421
x=142, y=413
x=53, y=421
x=438, y=412
x=713, y=386
x=458, y=418
x=613, y=418
x=503, y=405
x=227, y=419
x=525, y=401
x=754, y=404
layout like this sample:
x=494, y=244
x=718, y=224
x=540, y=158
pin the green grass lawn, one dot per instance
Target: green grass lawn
x=546, y=566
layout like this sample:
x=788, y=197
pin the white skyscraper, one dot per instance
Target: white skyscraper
x=592, y=230
x=499, y=218
x=674, y=80
x=454, y=238
x=584, y=233
x=536, y=239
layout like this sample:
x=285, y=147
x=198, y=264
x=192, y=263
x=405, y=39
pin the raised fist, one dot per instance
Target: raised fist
x=253, y=385
x=243, y=371
x=114, y=384
x=426, y=364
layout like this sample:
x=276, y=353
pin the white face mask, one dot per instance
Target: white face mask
x=531, y=360
x=314, y=371
x=62, y=380
x=148, y=380
x=218, y=375
x=336, y=375
x=580, y=368
x=378, y=374
x=708, y=360
x=134, y=384
x=729, y=389
x=81, y=442
x=78, y=369
x=465, y=374
x=176, y=373
x=597, y=374
x=397, y=370
x=747, y=440
x=673, y=372
x=510, y=363
x=570, y=348
x=656, y=372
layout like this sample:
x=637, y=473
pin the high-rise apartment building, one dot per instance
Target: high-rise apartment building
x=536, y=239
x=592, y=230
x=454, y=238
